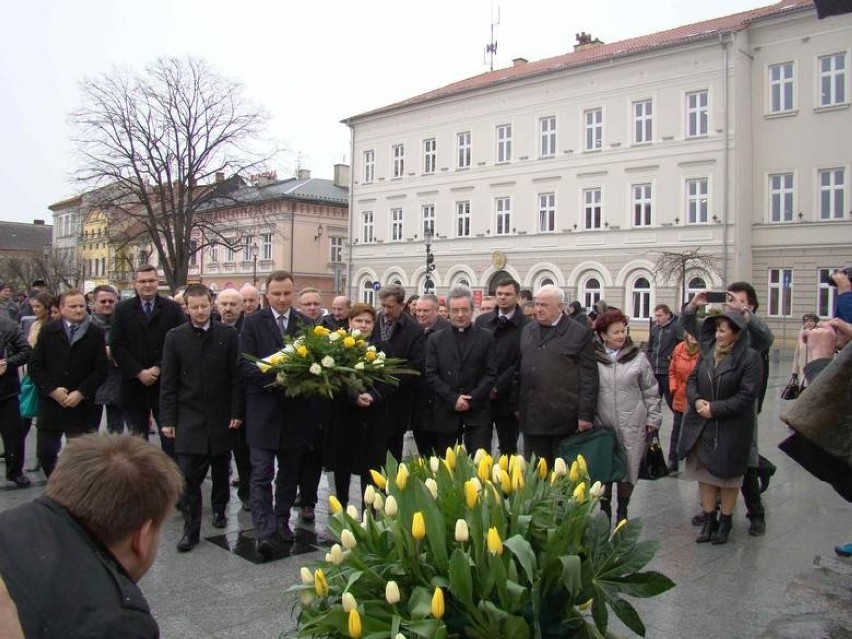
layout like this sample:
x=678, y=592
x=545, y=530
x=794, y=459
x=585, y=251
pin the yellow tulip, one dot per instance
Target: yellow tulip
x=581, y=463
x=318, y=329
x=574, y=473
x=438, y=603
x=354, y=624
x=302, y=351
x=334, y=505
x=477, y=457
x=580, y=492
x=392, y=592
x=517, y=479
x=521, y=462
x=619, y=526
x=503, y=462
x=541, y=468
x=348, y=342
x=559, y=467
x=462, y=531
x=450, y=458
x=418, y=526
x=320, y=583
x=505, y=482
x=402, y=476
x=486, y=466
x=379, y=479
x=471, y=495
x=360, y=343
x=263, y=367
x=348, y=601
x=276, y=358
x=493, y=541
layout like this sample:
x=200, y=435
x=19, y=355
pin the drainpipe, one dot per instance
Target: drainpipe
x=349, y=289
x=292, y=233
x=726, y=187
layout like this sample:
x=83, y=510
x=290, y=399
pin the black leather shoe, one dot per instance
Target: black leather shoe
x=21, y=481
x=709, y=528
x=187, y=543
x=219, y=520
x=308, y=515
x=285, y=531
x=266, y=548
x=723, y=531
x=757, y=527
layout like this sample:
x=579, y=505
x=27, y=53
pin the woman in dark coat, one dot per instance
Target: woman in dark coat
x=357, y=436
x=719, y=423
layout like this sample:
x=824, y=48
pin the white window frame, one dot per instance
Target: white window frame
x=642, y=198
x=504, y=143
x=396, y=230
x=592, y=208
x=692, y=287
x=831, y=197
x=248, y=240
x=547, y=131
x=591, y=295
x=368, y=295
x=502, y=215
x=231, y=255
x=825, y=293
x=427, y=215
x=463, y=218
x=782, y=87
x=398, y=155
x=214, y=254
x=430, y=155
x=335, y=248
x=463, y=148
x=643, y=298
x=266, y=246
x=697, y=203
x=780, y=295
x=368, y=227
x=833, y=87
x=369, y=166
x=593, y=129
x=697, y=113
x=782, y=197
x=547, y=212
x=643, y=121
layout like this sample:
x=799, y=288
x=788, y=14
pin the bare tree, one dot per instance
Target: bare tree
x=157, y=148
x=674, y=266
x=57, y=273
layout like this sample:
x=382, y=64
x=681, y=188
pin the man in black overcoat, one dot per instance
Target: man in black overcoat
x=403, y=338
x=68, y=366
x=422, y=417
x=461, y=366
x=505, y=323
x=201, y=396
x=276, y=425
x=136, y=343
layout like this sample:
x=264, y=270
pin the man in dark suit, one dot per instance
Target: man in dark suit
x=461, y=366
x=505, y=323
x=15, y=351
x=201, y=396
x=403, y=338
x=426, y=311
x=276, y=425
x=136, y=343
x=68, y=366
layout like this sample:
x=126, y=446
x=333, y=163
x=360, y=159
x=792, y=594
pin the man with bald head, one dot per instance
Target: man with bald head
x=251, y=299
x=339, y=316
x=310, y=303
x=229, y=303
x=558, y=376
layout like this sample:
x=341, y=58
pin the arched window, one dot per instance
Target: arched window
x=694, y=285
x=461, y=281
x=368, y=295
x=591, y=292
x=641, y=296
x=544, y=278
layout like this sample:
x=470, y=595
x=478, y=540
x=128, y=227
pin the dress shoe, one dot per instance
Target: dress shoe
x=187, y=543
x=723, y=531
x=266, y=548
x=308, y=515
x=219, y=520
x=21, y=481
x=708, y=529
x=285, y=531
x=757, y=527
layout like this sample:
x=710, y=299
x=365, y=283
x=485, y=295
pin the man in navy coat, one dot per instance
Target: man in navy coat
x=276, y=426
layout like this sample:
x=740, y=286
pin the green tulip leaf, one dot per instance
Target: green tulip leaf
x=523, y=552
x=461, y=582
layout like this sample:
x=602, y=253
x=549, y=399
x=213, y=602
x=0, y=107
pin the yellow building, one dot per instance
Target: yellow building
x=94, y=250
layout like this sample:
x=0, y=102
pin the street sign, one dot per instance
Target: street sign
x=377, y=285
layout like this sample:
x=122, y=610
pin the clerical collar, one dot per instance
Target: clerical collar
x=462, y=329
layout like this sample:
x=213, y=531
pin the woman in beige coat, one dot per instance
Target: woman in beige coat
x=628, y=399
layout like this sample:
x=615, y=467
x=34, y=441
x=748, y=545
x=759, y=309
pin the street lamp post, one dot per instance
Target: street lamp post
x=429, y=285
x=254, y=251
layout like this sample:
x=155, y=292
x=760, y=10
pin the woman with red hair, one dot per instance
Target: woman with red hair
x=628, y=399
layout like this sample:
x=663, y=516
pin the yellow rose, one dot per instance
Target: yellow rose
x=418, y=526
x=438, y=603
x=370, y=356
x=354, y=624
x=320, y=583
x=302, y=351
x=493, y=541
x=348, y=342
x=378, y=479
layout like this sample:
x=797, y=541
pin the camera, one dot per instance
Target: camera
x=828, y=276
x=717, y=297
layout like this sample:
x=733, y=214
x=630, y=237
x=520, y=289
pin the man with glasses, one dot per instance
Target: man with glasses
x=105, y=299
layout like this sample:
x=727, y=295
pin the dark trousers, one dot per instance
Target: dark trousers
x=443, y=441
x=14, y=436
x=242, y=457
x=546, y=446
x=676, y=422
x=138, y=420
x=665, y=390
x=310, y=472
x=751, y=495
x=115, y=418
x=478, y=436
x=507, y=433
x=263, y=515
x=342, y=482
x=48, y=445
x=194, y=469
x=425, y=441
x=400, y=409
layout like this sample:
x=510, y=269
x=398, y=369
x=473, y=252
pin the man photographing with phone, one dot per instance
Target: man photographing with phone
x=841, y=279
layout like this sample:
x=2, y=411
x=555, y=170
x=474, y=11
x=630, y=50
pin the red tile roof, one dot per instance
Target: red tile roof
x=632, y=46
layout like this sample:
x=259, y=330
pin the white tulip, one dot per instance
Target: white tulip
x=348, y=601
x=391, y=507
x=348, y=539
x=432, y=485
x=392, y=592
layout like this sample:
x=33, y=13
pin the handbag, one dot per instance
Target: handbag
x=792, y=389
x=605, y=457
x=28, y=398
x=653, y=464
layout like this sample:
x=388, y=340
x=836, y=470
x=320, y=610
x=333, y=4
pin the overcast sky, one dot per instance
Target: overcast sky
x=309, y=64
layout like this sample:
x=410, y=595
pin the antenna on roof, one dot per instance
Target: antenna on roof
x=491, y=47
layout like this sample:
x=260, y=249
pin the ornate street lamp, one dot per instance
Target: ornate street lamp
x=429, y=285
x=255, y=249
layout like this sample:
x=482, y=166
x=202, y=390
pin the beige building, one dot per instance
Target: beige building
x=730, y=135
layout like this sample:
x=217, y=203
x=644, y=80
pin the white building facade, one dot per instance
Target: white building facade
x=732, y=136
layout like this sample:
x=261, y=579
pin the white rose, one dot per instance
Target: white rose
x=327, y=361
x=359, y=366
x=333, y=337
x=288, y=349
x=355, y=333
x=315, y=369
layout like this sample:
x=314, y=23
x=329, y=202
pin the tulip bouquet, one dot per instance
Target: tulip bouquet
x=319, y=361
x=477, y=548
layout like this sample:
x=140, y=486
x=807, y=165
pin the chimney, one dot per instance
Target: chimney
x=38, y=222
x=516, y=62
x=303, y=174
x=585, y=41
x=220, y=177
x=342, y=175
